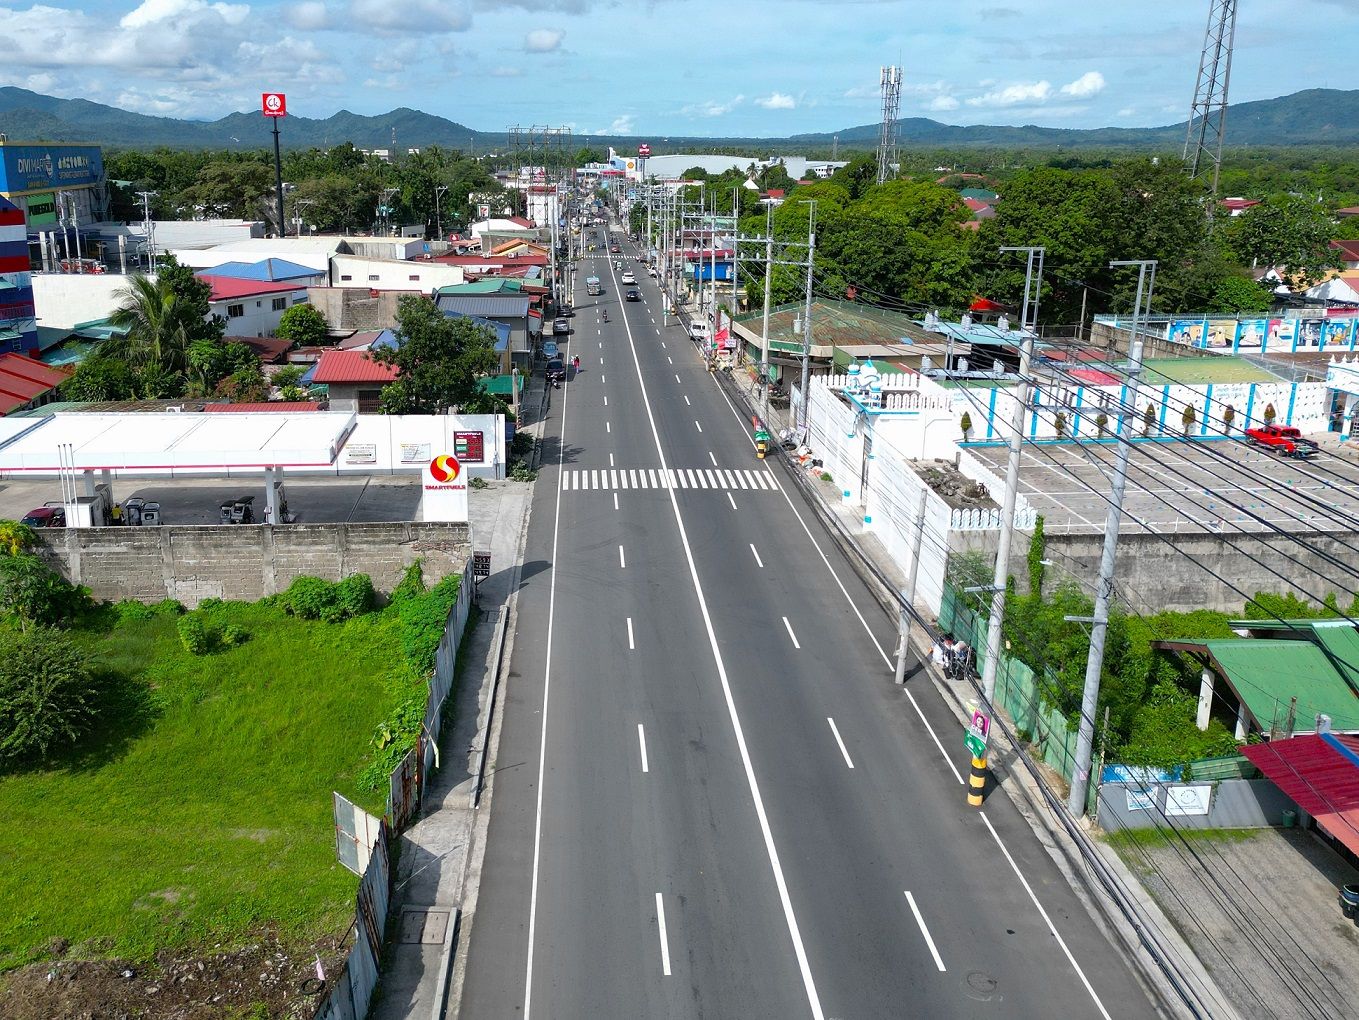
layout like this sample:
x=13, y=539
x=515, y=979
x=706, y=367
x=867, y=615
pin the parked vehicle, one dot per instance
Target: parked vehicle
x=633, y=294
x=628, y=277
x=650, y=270
x=556, y=371
x=1283, y=439
x=550, y=349
x=560, y=327
x=51, y=515
x=698, y=330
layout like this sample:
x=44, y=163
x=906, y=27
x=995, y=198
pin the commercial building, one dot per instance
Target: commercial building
x=51, y=184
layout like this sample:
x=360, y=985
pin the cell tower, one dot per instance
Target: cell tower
x=1208, y=114
x=887, y=138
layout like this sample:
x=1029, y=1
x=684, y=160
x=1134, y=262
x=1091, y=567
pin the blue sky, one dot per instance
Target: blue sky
x=670, y=67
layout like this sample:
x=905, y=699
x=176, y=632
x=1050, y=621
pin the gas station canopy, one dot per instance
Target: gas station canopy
x=171, y=442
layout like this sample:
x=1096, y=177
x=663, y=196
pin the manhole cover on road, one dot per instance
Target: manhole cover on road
x=427, y=926
x=982, y=986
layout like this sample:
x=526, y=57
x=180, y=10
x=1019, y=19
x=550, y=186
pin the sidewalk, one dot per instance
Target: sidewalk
x=437, y=858
x=1008, y=770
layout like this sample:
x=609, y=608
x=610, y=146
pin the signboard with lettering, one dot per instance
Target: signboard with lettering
x=414, y=453
x=29, y=168
x=481, y=564
x=274, y=104
x=469, y=447
x=976, y=735
x=360, y=453
x=42, y=209
x=445, y=490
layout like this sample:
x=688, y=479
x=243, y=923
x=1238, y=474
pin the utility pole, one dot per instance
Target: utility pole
x=149, y=228
x=807, y=314
x=1099, y=624
x=908, y=595
x=768, y=289
x=1033, y=282
x=438, y=214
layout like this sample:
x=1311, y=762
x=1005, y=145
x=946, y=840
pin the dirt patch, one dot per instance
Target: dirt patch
x=261, y=981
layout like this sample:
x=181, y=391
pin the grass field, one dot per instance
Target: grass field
x=204, y=812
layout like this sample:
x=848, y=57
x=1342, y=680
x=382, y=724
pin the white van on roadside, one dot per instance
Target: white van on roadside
x=698, y=330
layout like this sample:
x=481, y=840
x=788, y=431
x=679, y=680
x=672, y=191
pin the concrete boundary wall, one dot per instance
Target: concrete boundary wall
x=249, y=561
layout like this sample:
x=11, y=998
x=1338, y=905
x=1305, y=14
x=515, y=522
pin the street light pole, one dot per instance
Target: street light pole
x=1099, y=624
x=807, y=314
x=768, y=289
x=438, y=214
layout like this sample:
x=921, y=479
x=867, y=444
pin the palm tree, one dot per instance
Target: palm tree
x=155, y=328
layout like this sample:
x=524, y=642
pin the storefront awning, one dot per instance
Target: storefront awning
x=1320, y=771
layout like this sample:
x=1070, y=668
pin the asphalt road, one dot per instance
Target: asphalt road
x=710, y=799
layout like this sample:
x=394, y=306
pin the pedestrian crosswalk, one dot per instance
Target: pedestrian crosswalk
x=726, y=480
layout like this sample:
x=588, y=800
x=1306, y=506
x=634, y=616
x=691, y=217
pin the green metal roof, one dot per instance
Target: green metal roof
x=493, y=285
x=1268, y=674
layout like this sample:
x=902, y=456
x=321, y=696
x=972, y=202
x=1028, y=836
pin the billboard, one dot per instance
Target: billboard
x=25, y=168
x=42, y=209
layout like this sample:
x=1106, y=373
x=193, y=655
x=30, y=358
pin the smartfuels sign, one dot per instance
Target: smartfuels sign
x=445, y=489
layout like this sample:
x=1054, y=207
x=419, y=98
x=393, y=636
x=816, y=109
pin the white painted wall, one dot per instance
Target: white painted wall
x=62, y=300
x=396, y=443
x=260, y=318
x=392, y=274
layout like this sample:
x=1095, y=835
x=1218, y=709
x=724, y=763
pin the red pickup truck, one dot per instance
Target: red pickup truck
x=1284, y=439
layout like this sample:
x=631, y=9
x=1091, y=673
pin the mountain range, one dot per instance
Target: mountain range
x=1311, y=117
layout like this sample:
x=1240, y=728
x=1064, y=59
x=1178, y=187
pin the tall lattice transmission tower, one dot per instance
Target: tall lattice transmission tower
x=1208, y=114
x=887, y=136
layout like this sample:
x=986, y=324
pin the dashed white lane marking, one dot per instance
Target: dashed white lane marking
x=677, y=378
x=732, y=501
x=712, y=458
x=920, y=920
x=698, y=426
x=686, y=400
x=757, y=555
x=608, y=426
x=615, y=501
x=665, y=945
x=789, y=626
x=632, y=646
x=611, y=463
x=843, y=750
x=641, y=743
x=622, y=559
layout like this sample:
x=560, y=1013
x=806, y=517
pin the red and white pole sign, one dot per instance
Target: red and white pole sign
x=274, y=104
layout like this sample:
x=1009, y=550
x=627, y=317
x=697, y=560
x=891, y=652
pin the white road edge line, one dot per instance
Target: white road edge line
x=757, y=558
x=920, y=920
x=641, y=742
x=542, y=744
x=622, y=560
x=632, y=646
x=843, y=590
x=790, y=632
x=843, y=750
x=1051, y=927
x=665, y=945
x=785, y=900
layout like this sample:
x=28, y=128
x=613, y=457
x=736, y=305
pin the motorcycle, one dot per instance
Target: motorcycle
x=606, y=316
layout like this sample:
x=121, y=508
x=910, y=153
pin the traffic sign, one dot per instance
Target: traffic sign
x=976, y=735
x=274, y=104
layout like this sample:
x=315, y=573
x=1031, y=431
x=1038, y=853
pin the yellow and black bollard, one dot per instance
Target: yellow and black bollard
x=761, y=448
x=976, y=783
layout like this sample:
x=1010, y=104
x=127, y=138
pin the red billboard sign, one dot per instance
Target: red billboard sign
x=644, y=150
x=274, y=104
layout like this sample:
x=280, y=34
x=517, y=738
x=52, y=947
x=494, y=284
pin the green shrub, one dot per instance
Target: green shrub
x=398, y=733
x=169, y=607
x=234, y=636
x=193, y=634
x=476, y=483
x=412, y=583
x=36, y=594
x=129, y=610
x=523, y=473
x=49, y=698
x=311, y=598
x=422, y=622
x=15, y=537
x=354, y=596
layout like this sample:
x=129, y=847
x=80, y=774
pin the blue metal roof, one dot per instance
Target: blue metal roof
x=270, y=270
x=500, y=306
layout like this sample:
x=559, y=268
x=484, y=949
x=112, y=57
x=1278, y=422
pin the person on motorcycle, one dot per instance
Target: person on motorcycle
x=606, y=314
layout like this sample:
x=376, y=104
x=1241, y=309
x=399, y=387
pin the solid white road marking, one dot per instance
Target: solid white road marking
x=732, y=501
x=697, y=425
x=757, y=557
x=785, y=900
x=1052, y=928
x=712, y=458
x=632, y=647
x=665, y=946
x=622, y=560
x=836, y=730
x=920, y=920
x=790, y=632
x=641, y=742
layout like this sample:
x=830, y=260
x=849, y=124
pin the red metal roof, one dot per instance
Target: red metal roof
x=982, y=304
x=352, y=367
x=1238, y=203
x=490, y=262
x=1093, y=376
x=288, y=406
x=1320, y=771
x=226, y=288
x=22, y=379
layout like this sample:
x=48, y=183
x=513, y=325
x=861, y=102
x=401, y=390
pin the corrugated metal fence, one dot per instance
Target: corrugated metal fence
x=351, y=993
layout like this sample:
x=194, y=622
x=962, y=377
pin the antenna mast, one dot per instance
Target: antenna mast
x=1208, y=114
x=887, y=136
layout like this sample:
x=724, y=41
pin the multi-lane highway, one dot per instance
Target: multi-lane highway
x=710, y=800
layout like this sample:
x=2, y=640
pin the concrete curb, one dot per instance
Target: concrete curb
x=484, y=727
x=1148, y=923
x=441, y=989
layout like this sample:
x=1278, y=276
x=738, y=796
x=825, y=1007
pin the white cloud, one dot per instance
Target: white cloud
x=154, y=12
x=624, y=125
x=543, y=40
x=777, y=101
x=1089, y=84
x=712, y=108
x=1015, y=95
x=412, y=17
x=1127, y=111
x=310, y=16
x=940, y=104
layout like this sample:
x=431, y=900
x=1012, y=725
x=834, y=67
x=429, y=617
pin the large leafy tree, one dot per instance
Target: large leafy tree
x=1286, y=231
x=303, y=324
x=440, y=359
x=101, y=378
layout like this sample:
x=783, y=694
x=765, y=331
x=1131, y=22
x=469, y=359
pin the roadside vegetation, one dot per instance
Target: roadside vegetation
x=1151, y=697
x=166, y=776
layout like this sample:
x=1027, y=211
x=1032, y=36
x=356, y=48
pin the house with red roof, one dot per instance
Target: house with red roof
x=1349, y=252
x=25, y=382
x=252, y=307
x=353, y=379
x=1236, y=206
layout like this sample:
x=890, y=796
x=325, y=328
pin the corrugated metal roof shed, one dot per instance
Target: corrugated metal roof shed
x=350, y=367
x=1267, y=675
x=497, y=306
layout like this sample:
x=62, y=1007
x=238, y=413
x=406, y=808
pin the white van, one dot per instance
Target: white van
x=698, y=330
